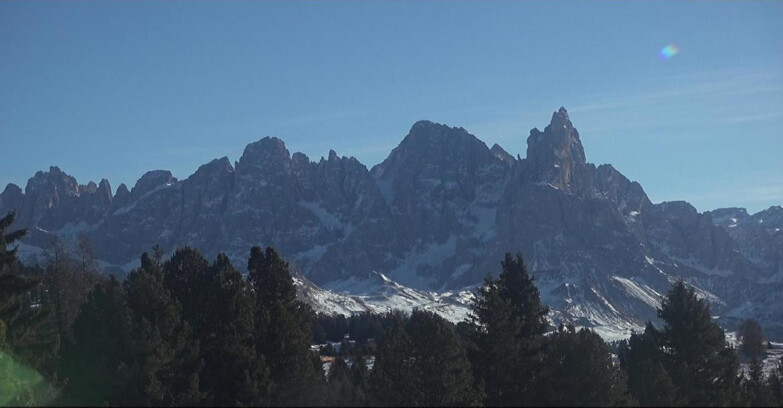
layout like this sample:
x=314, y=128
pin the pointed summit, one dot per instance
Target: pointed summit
x=556, y=153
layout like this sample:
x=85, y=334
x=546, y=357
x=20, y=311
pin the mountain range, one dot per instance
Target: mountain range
x=432, y=220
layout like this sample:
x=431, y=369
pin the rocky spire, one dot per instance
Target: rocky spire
x=556, y=154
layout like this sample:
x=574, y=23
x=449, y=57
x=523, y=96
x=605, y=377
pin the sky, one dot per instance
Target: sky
x=114, y=89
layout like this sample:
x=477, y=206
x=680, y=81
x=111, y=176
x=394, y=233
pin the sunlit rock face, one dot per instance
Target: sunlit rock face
x=437, y=215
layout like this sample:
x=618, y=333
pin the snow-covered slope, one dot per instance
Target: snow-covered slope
x=377, y=293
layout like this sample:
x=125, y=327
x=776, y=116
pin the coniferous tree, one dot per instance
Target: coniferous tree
x=447, y=377
x=342, y=386
x=703, y=367
x=190, y=279
x=423, y=363
x=642, y=359
x=233, y=373
x=578, y=371
x=751, y=337
x=19, y=384
x=97, y=360
x=775, y=385
x=283, y=329
x=507, y=328
x=165, y=351
x=396, y=379
x=755, y=391
x=11, y=286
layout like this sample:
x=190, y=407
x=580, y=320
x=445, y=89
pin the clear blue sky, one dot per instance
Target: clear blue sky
x=113, y=89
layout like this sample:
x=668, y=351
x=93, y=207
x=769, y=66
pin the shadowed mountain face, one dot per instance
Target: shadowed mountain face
x=438, y=214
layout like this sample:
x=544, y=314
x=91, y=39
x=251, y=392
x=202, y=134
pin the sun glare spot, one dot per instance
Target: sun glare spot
x=668, y=51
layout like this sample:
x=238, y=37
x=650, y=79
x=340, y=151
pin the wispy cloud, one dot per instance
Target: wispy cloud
x=712, y=87
x=754, y=118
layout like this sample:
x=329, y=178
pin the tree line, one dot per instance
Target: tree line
x=189, y=331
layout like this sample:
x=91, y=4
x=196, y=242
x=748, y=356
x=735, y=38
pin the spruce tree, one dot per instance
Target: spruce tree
x=643, y=361
x=703, y=367
x=775, y=385
x=578, y=371
x=283, y=330
x=165, y=352
x=342, y=387
x=19, y=328
x=447, y=378
x=755, y=391
x=11, y=286
x=751, y=338
x=507, y=327
x=234, y=374
x=96, y=362
x=396, y=379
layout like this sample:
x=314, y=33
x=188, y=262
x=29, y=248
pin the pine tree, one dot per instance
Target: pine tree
x=698, y=359
x=11, y=286
x=507, y=329
x=342, y=387
x=191, y=281
x=775, y=385
x=8, y=256
x=447, y=378
x=755, y=391
x=751, y=337
x=96, y=362
x=578, y=371
x=19, y=323
x=396, y=379
x=233, y=372
x=643, y=360
x=283, y=329
x=165, y=353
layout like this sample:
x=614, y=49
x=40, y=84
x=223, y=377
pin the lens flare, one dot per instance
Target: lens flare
x=668, y=51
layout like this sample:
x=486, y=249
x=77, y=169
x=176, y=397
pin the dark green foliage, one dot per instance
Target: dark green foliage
x=347, y=385
x=642, y=359
x=423, y=363
x=96, y=362
x=445, y=371
x=283, y=329
x=233, y=372
x=752, y=339
x=755, y=391
x=578, y=371
x=697, y=357
x=506, y=333
x=775, y=385
x=396, y=378
x=11, y=285
x=165, y=351
x=8, y=255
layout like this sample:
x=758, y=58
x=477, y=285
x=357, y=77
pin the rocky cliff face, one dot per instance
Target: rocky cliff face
x=438, y=214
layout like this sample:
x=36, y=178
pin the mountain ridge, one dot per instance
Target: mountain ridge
x=436, y=215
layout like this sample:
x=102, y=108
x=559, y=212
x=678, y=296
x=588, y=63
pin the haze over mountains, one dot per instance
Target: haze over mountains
x=436, y=216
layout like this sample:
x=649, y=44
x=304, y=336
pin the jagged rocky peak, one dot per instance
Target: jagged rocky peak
x=11, y=198
x=502, y=154
x=266, y=156
x=150, y=180
x=122, y=195
x=427, y=134
x=431, y=144
x=55, y=181
x=217, y=167
x=729, y=216
x=556, y=154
